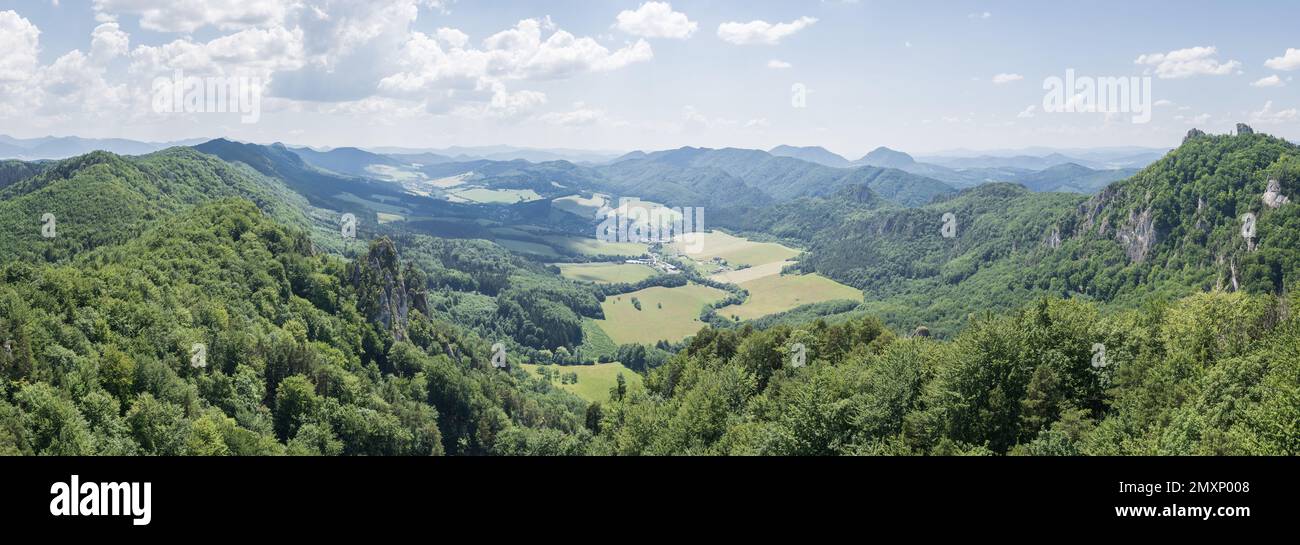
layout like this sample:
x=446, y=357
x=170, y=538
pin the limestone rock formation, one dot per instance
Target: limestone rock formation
x=1273, y=196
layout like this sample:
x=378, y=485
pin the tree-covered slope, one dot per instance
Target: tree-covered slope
x=101, y=355
x=1171, y=230
x=101, y=198
x=1213, y=374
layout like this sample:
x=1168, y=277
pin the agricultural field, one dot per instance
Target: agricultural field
x=592, y=246
x=752, y=273
x=495, y=196
x=735, y=250
x=527, y=247
x=606, y=273
x=776, y=293
x=594, y=381
x=666, y=313
x=583, y=208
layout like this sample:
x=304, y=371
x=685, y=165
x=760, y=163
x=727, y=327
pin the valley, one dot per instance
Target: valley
x=451, y=259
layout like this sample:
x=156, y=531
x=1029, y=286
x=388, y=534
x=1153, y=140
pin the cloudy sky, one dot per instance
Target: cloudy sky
x=620, y=75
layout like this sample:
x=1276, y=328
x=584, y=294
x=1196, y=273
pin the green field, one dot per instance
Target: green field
x=594, y=381
x=678, y=318
x=527, y=247
x=773, y=294
x=737, y=251
x=578, y=206
x=592, y=246
x=497, y=196
x=608, y=273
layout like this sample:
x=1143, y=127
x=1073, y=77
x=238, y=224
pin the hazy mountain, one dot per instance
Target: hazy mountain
x=783, y=178
x=1039, y=158
x=1071, y=177
x=885, y=157
x=812, y=154
x=351, y=161
x=52, y=147
x=506, y=153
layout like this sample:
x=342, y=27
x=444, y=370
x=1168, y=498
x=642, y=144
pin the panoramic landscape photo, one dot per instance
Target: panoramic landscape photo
x=635, y=228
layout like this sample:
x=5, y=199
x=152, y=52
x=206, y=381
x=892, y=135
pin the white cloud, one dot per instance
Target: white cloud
x=1271, y=81
x=1184, y=63
x=252, y=52
x=1269, y=115
x=1288, y=61
x=581, y=115
x=778, y=64
x=520, y=53
x=108, y=42
x=999, y=79
x=761, y=32
x=503, y=105
x=191, y=15
x=981, y=16
x=19, y=45
x=656, y=20
x=428, y=62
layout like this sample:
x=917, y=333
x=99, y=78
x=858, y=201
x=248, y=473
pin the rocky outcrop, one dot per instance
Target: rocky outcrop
x=1243, y=129
x=1193, y=134
x=386, y=293
x=1053, y=239
x=1137, y=235
x=1273, y=197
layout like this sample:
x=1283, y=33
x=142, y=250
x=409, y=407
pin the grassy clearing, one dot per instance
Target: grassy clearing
x=752, y=273
x=527, y=247
x=385, y=217
x=666, y=313
x=592, y=246
x=497, y=196
x=578, y=206
x=773, y=294
x=594, y=381
x=606, y=273
x=737, y=251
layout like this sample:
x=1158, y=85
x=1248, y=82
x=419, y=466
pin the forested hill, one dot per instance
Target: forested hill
x=101, y=354
x=778, y=178
x=101, y=198
x=1171, y=230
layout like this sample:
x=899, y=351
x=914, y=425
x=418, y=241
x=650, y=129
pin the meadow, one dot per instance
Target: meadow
x=594, y=381
x=666, y=313
x=606, y=273
x=777, y=293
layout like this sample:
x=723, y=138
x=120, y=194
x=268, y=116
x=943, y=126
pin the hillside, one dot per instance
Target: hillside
x=1072, y=178
x=777, y=178
x=1171, y=230
x=101, y=199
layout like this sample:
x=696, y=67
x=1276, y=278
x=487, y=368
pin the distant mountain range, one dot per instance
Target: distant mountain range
x=62, y=147
x=698, y=173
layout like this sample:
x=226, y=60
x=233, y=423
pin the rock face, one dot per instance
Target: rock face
x=1137, y=235
x=1193, y=134
x=1053, y=239
x=385, y=292
x=1273, y=196
x=1243, y=128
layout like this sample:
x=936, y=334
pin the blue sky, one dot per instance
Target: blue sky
x=595, y=74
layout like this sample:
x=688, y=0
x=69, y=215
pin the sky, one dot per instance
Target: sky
x=848, y=75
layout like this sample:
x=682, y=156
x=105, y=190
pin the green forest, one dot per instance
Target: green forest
x=193, y=303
